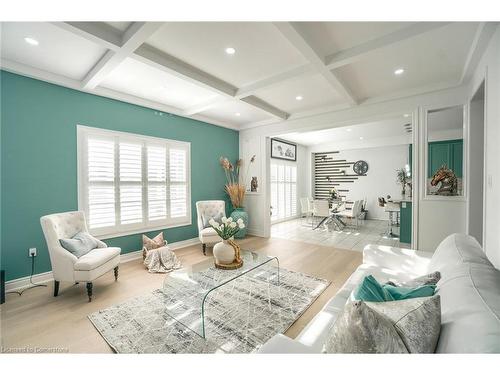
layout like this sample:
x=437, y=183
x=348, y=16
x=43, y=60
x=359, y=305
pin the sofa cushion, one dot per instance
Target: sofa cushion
x=361, y=329
x=470, y=305
x=96, y=258
x=316, y=331
x=455, y=250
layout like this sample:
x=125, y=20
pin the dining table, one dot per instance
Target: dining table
x=334, y=216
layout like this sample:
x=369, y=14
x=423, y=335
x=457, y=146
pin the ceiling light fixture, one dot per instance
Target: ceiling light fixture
x=299, y=97
x=237, y=114
x=361, y=138
x=399, y=71
x=31, y=41
x=230, y=51
x=406, y=115
x=348, y=130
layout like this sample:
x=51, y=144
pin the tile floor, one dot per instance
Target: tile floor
x=350, y=238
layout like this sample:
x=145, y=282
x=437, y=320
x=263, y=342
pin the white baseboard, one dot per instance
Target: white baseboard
x=45, y=277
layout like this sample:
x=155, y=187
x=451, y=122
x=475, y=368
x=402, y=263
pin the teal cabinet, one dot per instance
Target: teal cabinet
x=405, y=222
x=445, y=152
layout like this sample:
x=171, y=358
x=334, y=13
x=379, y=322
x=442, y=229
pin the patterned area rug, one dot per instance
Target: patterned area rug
x=240, y=316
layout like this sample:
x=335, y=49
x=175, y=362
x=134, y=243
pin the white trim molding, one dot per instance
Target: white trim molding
x=46, y=277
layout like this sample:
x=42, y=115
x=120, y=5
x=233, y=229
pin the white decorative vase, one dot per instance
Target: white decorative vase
x=223, y=253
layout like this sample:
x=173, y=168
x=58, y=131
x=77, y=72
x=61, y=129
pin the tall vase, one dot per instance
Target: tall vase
x=240, y=213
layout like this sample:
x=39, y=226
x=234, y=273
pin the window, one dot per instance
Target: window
x=283, y=190
x=129, y=183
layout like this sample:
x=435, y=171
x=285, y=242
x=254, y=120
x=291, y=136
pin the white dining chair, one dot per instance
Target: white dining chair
x=354, y=213
x=306, y=208
x=321, y=210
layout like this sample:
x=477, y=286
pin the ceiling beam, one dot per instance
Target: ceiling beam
x=172, y=65
x=266, y=107
x=133, y=37
x=97, y=32
x=292, y=33
x=353, y=54
x=484, y=32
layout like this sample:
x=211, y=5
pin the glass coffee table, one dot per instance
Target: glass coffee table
x=192, y=286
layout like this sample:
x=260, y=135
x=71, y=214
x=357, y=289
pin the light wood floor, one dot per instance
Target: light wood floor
x=38, y=320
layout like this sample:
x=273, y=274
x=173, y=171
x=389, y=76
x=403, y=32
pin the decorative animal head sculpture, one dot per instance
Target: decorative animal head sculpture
x=448, y=181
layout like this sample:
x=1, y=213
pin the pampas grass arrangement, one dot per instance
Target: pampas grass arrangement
x=235, y=187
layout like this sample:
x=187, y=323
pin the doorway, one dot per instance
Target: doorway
x=476, y=214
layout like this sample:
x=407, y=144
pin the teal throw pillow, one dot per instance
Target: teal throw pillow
x=399, y=292
x=370, y=290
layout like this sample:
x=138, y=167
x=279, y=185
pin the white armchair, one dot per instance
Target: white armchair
x=65, y=265
x=208, y=236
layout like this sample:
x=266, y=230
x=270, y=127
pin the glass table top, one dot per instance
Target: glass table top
x=188, y=290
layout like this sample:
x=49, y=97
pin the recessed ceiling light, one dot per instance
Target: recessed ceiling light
x=237, y=114
x=399, y=71
x=406, y=115
x=299, y=97
x=31, y=41
x=348, y=130
x=230, y=51
x=361, y=138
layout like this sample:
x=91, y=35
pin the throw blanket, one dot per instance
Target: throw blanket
x=161, y=260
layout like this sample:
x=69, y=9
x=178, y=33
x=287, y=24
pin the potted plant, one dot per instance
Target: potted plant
x=236, y=187
x=227, y=252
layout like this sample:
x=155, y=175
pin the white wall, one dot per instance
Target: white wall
x=380, y=180
x=489, y=67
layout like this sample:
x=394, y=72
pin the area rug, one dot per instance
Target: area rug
x=240, y=316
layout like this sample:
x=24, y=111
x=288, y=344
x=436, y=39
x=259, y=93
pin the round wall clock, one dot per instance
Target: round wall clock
x=360, y=167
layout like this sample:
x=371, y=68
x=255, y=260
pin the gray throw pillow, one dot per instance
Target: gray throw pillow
x=406, y=326
x=430, y=279
x=207, y=218
x=80, y=244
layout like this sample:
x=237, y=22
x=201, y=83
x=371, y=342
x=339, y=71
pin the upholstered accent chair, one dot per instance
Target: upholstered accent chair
x=208, y=236
x=65, y=265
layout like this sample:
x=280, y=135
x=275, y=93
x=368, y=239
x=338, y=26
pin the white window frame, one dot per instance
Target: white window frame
x=119, y=230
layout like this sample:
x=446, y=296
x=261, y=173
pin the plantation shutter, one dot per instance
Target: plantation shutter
x=178, y=182
x=283, y=190
x=157, y=182
x=101, y=182
x=131, y=184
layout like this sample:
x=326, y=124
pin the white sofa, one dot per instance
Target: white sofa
x=469, y=290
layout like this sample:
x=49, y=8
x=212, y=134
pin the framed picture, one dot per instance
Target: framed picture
x=283, y=150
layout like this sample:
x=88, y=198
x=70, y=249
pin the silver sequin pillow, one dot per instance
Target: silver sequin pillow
x=406, y=326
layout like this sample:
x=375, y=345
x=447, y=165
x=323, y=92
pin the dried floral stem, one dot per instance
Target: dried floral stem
x=234, y=187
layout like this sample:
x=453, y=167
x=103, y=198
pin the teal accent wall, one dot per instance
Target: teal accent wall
x=39, y=161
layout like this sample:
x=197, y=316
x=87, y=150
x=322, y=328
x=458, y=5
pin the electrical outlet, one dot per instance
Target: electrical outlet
x=32, y=252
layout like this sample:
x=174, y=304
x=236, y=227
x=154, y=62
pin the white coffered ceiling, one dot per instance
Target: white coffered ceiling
x=183, y=67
